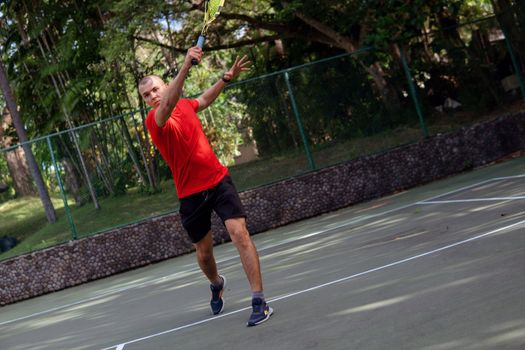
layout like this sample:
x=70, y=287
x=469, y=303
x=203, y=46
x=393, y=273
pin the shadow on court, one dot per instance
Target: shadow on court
x=437, y=267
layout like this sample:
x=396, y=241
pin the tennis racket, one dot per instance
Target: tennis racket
x=212, y=9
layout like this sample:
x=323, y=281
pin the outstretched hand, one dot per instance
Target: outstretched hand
x=240, y=65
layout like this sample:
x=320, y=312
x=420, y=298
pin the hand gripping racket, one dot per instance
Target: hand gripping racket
x=212, y=9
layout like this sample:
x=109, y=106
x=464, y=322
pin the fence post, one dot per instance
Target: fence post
x=515, y=64
x=299, y=121
x=413, y=93
x=62, y=191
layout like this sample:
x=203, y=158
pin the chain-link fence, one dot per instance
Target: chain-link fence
x=465, y=73
x=108, y=174
x=98, y=176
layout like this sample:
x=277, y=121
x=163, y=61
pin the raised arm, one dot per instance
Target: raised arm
x=207, y=98
x=171, y=96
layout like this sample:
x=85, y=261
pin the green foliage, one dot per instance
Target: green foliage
x=95, y=51
x=75, y=62
x=121, y=177
x=335, y=100
x=221, y=126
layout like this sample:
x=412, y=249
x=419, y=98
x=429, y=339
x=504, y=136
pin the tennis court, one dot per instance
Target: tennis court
x=436, y=267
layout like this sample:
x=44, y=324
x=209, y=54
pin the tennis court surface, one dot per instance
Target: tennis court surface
x=437, y=267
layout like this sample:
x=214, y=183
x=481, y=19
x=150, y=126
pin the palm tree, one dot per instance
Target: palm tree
x=22, y=135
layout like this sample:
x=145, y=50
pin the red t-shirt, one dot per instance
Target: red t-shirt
x=184, y=146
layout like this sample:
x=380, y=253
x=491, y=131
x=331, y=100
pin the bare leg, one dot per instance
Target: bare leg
x=250, y=259
x=206, y=259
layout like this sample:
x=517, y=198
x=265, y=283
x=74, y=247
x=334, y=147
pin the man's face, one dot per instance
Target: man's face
x=152, y=90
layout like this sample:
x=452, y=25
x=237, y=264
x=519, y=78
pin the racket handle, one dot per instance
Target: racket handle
x=200, y=43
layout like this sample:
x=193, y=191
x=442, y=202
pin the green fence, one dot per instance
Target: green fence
x=107, y=174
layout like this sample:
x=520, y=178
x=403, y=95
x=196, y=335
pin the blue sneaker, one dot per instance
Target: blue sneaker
x=260, y=312
x=217, y=303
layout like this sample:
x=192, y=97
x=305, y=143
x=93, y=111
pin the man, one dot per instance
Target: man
x=202, y=182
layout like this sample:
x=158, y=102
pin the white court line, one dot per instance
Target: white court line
x=233, y=257
x=495, y=199
x=471, y=186
x=509, y=177
x=461, y=189
x=351, y=222
x=383, y=267
x=196, y=269
x=367, y=217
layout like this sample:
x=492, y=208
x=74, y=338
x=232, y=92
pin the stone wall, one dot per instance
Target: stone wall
x=267, y=207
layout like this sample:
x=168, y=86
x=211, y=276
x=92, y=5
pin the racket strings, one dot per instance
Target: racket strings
x=212, y=9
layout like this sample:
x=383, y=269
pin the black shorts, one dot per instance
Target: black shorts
x=195, y=210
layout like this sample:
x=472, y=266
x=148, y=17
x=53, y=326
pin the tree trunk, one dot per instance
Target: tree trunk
x=16, y=161
x=129, y=146
x=22, y=135
x=383, y=88
x=19, y=171
x=72, y=180
x=73, y=171
x=510, y=15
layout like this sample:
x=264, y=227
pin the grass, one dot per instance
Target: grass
x=24, y=215
x=24, y=218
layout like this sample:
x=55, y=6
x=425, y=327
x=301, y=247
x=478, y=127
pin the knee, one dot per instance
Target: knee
x=204, y=254
x=240, y=236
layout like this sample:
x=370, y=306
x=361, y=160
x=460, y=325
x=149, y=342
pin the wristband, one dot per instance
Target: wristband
x=224, y=79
